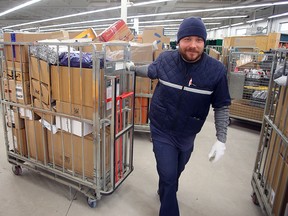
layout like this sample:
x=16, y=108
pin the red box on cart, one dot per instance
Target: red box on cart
x=117, y=31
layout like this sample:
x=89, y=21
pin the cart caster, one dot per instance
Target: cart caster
x=92, y=202
x=17, y=170
x=230, y=121
x=254, y=199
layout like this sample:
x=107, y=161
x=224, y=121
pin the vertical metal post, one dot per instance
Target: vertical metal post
x=124, y=10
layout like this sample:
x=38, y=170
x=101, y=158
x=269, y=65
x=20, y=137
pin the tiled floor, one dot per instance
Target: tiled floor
x=220, y=189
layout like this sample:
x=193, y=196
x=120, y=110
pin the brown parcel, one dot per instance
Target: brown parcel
x=87, y=156
x=20, y=52
x=40, y=70
x=75, y=110
x=15, y=92
x=43, y=114
x=13, y=118
x=37, y=140
x=16, y=70
x=41, y=91
x=20, y=141
x=75, y=82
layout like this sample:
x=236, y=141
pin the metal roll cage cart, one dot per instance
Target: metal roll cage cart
x=248, y=80
x=270, y=174
x=67, y=121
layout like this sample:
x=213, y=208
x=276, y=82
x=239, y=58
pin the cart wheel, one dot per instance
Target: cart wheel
x=91, y=202
x=17, y=170
x=254, y=199
x=230, y=121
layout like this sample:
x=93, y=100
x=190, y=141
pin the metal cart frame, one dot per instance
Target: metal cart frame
x=248, y=76
x=270, y=179
x=110, y=143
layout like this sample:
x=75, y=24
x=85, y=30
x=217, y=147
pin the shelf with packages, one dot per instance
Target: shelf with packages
x=248, y=80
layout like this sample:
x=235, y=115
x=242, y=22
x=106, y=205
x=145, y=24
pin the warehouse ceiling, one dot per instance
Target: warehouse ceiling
x=47, y=9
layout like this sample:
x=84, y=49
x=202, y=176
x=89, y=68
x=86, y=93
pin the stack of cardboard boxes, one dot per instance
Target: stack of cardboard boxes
x=276, y=169
x=37, y=87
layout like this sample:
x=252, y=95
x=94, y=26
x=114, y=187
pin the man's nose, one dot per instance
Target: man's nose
x=192, y=43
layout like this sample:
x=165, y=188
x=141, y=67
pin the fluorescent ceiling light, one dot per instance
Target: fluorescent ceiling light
x=19, y=7
x=63, y=17
x=255, y=20
x=83, y=13
x=75, y=28
x=224, y=27
x=223, y=17
x=236, y=24
x=211, y=9
x=67, y=24
x=278, y=15
x=161, y=21
x=146, y=3
x=158, y=25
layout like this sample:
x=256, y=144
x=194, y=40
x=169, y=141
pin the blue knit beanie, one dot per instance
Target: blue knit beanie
x=192, y=26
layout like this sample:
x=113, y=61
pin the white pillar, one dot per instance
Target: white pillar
x=124, y=10
x=136, y=25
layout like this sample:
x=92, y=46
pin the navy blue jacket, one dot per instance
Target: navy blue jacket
x=185, y=91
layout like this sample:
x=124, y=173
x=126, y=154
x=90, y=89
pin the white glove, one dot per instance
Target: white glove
x=217, y=151
x=128, y=65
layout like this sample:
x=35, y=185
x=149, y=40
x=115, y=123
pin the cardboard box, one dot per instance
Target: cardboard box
x=73, y=126
x=141, y=102
x=16, y=66
x=281, y=111
x=138, y=38
x=214, y=53
x=26, y=113
x=117, y=31
x=13, y=118
x=50, y=118
x=75, y=110
x=276, y=173
x=7, y=89
x=41, y=91
x=88, y=33
x=20, y=52
x=31, y=37
x=86, y=155
x=76, y=83
x=156, y=53
x=151, y=34
x=37, y=140
x=40, y=70
x=20, y=143
x=141, y=53
x=97, y=46
x=16, y=75
x=143, y=85
x=141, y=116
x=16, y=92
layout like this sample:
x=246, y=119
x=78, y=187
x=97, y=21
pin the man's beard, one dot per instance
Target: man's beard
x=190, y=57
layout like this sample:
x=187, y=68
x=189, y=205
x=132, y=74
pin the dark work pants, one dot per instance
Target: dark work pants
x=170, y=163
